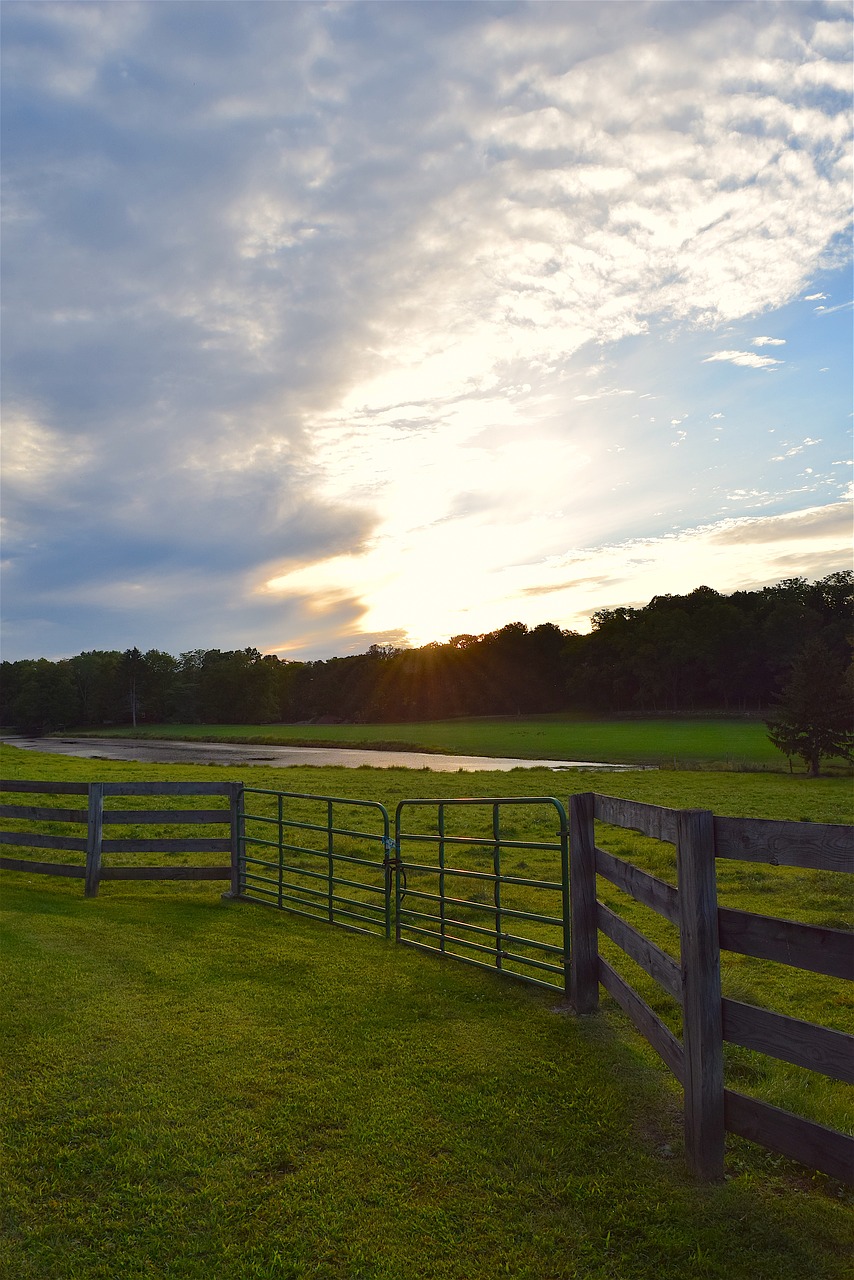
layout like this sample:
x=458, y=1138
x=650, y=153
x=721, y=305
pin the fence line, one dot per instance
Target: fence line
x=272, y=860
x=95, y=817
x=704, y=929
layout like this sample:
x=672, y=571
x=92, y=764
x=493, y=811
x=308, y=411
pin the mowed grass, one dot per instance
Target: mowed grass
x=200, y=1088
x=719, y=743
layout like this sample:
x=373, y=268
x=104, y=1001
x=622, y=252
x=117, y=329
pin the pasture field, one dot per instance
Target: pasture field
x=199, y=1088
x=710, y=743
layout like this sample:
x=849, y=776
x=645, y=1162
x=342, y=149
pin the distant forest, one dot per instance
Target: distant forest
x=694, y=653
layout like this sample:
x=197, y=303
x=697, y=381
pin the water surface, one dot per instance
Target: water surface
x=151, y=751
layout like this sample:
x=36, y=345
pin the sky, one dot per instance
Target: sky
x=333, y=324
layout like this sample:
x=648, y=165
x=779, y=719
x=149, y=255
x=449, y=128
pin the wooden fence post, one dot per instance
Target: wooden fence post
x=235, y=797
x=584, y=963
x=94, y=837
x=702, y=1034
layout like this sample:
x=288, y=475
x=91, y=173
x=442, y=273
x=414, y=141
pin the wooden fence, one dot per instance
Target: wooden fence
x=704, y=928
x=95, y=817
x=708, y=1020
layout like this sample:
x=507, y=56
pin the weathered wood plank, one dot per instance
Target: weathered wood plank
x=804, y=946
x=164, y=817
x=95, y=833
x=790, y=1135
x=804, y=1043
x=43, y=868
x=645, y=1020
x=213, y=844
x=657, y=963
x=701, y=994
x=584, y=950
x=650, y=819
x=46, y=788
x=165, y=873
x=818, y=846
x=166, y=788
x=237, y=834
x=649, y=890
x=118, y=873
x=42, y=813
x=34, y=840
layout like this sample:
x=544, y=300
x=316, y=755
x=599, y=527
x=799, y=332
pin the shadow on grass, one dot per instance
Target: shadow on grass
x=199, y=1087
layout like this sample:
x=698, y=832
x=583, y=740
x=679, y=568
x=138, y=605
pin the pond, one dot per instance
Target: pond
x=151, y=751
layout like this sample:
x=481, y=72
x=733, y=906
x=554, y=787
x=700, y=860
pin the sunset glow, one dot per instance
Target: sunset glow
x=334, y=324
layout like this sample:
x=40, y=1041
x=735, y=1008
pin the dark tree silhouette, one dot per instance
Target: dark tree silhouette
x=700, y=652
x=131, y=664
x=813, y=718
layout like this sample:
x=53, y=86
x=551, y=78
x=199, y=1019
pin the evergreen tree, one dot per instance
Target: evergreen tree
x=814, y=717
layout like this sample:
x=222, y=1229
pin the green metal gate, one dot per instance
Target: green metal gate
x=317, y=856
x=457, y=879
x=476, y=897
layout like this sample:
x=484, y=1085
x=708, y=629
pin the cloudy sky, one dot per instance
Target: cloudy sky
x=327, y=324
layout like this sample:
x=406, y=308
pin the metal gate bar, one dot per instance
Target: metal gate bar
x=289, y=885
x=440, y=928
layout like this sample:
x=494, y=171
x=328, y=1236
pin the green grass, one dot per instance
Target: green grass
x=732, y=743
x=197, y=1088
x=758, y=795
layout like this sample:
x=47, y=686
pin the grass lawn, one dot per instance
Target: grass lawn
x=732, y=743
x=198, y=1088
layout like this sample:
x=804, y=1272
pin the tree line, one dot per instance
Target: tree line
x=698, y=652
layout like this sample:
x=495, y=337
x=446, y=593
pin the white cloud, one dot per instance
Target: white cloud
x=795, y=449
x=606, y=391
x=831, y=523
x=37, y=458
x=829, y=311
x=747, y=359
x=769, y=342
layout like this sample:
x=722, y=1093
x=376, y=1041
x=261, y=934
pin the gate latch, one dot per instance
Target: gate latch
x=391, y=859
x=393, y=862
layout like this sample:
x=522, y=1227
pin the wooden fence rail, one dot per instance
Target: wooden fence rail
x=95, y=817
x=708, y=1020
